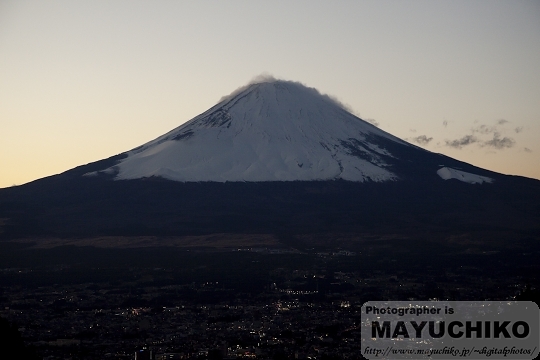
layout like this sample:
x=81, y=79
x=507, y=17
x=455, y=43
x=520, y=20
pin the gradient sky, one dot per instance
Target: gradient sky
x=84, y=80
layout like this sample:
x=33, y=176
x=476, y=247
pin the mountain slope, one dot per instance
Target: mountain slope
x=271, y=131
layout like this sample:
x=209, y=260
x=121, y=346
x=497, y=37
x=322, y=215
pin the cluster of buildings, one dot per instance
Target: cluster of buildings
x=301, y=314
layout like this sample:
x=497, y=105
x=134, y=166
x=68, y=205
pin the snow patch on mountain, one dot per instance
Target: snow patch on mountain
x=447, y=173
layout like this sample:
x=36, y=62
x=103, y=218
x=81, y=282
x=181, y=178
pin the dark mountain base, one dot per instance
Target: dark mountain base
x=61, y=207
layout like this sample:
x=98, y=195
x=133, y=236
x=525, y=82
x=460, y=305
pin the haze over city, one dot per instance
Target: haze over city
x=86, y=80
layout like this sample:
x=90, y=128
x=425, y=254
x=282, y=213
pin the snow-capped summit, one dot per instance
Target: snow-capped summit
x=275, y=130
x=267, y=131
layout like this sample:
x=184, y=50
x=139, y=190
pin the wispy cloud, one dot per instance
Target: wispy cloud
x=261, y=78
x=372, y=122
x=499, y=140
x=422, y=139
x=464, y=141
x=500, y=143
x=484, y=129
x=445, y=123
x=527, y=150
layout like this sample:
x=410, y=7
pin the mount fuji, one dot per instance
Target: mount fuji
x=279, y=131
x=276, y=159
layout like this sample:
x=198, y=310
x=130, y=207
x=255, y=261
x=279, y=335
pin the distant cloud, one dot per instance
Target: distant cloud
x=269, y=78
x=422, y=139
x=499, y=143
x=372, y=122
x=340, y=103
x=527, y=150
x=262, y=78
x=258, y=79
x=464, y=141
x=498, y=140
x=445, y=123
x=484, y=129
x=494, y=129
x=412, y=130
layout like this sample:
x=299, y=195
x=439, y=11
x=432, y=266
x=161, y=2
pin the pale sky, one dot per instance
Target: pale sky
x=84, y=80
